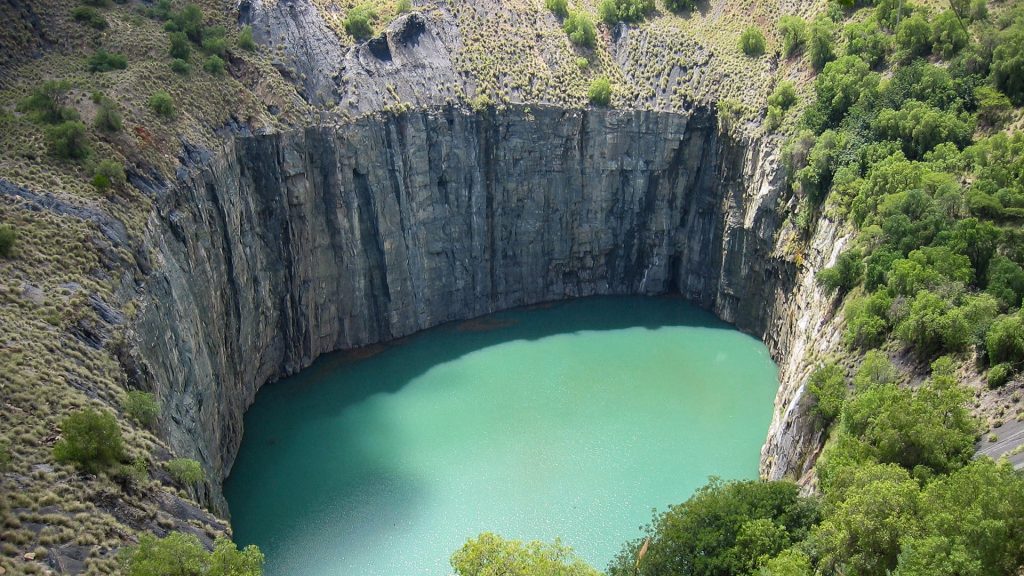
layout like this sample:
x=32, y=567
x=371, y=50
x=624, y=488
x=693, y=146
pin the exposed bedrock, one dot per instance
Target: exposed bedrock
x=278, y=248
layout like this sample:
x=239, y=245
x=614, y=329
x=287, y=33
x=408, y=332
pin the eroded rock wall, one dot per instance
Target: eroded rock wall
x=279, y=248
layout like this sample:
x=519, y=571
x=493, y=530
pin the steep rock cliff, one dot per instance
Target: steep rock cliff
x=281, y=247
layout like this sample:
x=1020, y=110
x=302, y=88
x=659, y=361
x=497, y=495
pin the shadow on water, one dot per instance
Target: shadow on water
x=285, y=441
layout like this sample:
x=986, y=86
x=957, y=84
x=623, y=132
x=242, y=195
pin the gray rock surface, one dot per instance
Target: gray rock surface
x=279, y=248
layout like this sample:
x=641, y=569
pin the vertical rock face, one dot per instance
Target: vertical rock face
x=279, y=248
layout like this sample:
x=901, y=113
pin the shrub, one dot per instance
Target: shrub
x=999, y=375
x=403, y=6
x=913, y=36
x=1005, y=281
x=108, y=173
x=181, y=554
x=868, y=41
x=108, y=119
x=141, y=407
x=103, y=61
x=1005, y=340
x=90, y=17
x=245, y=41
x=841, y=84
x=1008, y=64
x=582, y=63
x=491, y=554
x=820, y=50
x=162, y=104
x=559, y=7
x=613, y=11
x=90, y=439
x=185, y=471
x=359, y=22
x=948, y=34
x=44, y=103
x=68, y=140
x=607, y=11
x=679, y=5
x=181, y=48
x=190, y=21
x=784, y=95
x=214, y=65
x=752, y=41
x=8, y=238
x=580, y=29
x=994, y=108
x=794, y=34
x=600, y=92
x=844, y=275
x=827, y=385
x=179, y=66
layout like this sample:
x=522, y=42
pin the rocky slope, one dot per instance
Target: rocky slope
x=281, y=247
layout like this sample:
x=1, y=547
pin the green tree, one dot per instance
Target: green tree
x=179, y=66
x=994, y=108
x=359, y=22
x=922, y=127
x=875, y=370
x=999, y=375
x=580, y=29
x=793, y=30
x=1005, y=340
x=752, y=41
x=492, y=555
x=45, y=102
x=8, y=238
x=933, y=326
x=141, y=407
x=1008, y=63
x=827, y=385
x=845, y=275
x=190, y=21
x=949, y=36
x=788, y=563
x=914, y=36
x=181, y=48
x=559, y=8
x=103, y=61
x=246, y=42
x=600, y=92
x=180, y=554
x=679, y=5
x=90, y=439
x=90, y=17
x=214, y=65
x=1005, y=281
x=866, y=40
x=820, y=43
x=108, y=173
x=162, y=104
x=108, y=118
x=867, y=323
x=403, y=6
x=841, y=84
x=68, y=140
x=612, y=11
x=185, y=471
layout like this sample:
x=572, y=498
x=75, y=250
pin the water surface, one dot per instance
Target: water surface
x=570, y=420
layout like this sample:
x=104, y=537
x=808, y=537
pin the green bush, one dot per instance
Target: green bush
x=185, y=471
x=68, y=140
x=8, y=238
x=489, y=554
x=181, y=47
x=108, y=173
x=181, y=554
x=560, y=8
x=359, y=22
x=793, y=30
x=179, y=66
x=933, y=326
x=107, y=119
x=721, y=530
x=866, y=40
x=784, y=95
x=90, y=439
x=215, y=40
x=141, y=407
x=679, y=5
x=214, y=65
x=103, y=61
x=612, y=11
x=999, y=375
x=820, y=42
x=1005, y=340
x=580, y=29
x=948, y=34
x=1008, y=63
x=403, y=6
x=752, y=41
x=246, y=42
x=44, y=104
x=994, y=108
x=600, y=92
x=841, y=84
x=914, y=36
x=827, y=385
x=189, y=21
x=162, y=104
x=90, y=17
x=845, y=275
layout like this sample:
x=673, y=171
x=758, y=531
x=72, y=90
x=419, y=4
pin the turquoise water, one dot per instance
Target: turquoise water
x=570, y=420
